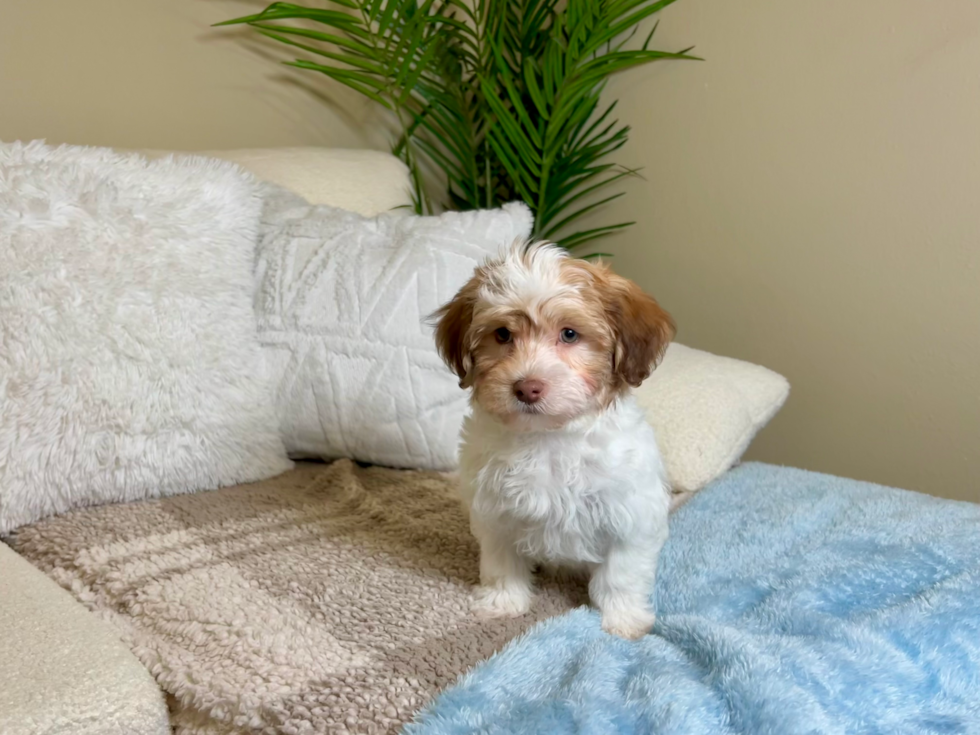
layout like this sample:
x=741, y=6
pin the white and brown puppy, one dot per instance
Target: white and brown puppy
x=557, y=463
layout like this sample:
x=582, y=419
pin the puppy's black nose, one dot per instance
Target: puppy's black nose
x=529, y=391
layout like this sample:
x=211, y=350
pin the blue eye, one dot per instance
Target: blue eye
x=568, y=336
x=503, y=335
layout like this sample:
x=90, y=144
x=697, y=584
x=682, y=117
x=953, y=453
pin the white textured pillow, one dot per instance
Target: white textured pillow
x=706, y=410
x=342, y=300
x=129, y=361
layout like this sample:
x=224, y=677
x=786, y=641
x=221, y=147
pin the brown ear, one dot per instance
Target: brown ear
x=452, y=329
x=643, y=331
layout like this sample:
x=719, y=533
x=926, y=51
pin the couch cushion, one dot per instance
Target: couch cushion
x=63, y=670
x=366, y=182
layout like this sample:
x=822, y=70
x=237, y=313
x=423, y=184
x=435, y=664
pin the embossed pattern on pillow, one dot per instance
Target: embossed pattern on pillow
x=341, y=303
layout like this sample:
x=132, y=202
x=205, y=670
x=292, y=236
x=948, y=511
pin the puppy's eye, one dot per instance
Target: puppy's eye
x=568, y=336
x=503, y=335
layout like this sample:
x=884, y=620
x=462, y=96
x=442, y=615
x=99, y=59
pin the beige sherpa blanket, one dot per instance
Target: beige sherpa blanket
x=330, y=599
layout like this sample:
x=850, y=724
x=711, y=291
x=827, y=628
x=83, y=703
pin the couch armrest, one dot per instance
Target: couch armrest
x=62, y=670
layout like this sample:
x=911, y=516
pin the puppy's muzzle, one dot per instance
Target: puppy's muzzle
x=530, y=391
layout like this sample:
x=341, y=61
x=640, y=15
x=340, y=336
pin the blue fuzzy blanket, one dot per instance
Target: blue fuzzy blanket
x=789, y=602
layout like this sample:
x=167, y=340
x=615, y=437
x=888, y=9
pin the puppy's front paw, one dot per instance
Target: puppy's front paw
x=501, y=602
x=629, y=624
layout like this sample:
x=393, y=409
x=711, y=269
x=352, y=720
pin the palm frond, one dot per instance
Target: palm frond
x=503, y=97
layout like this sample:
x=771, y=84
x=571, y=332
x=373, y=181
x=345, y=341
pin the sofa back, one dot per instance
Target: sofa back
x=362, y=181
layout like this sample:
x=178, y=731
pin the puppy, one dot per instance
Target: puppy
x=557, y=463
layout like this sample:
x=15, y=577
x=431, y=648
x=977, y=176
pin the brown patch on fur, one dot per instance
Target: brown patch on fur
x=642, y=329
x=452, y=328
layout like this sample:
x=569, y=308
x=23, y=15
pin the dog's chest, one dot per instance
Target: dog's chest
x=559, y=505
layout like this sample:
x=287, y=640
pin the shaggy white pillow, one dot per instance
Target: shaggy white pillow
x=342, y=302
x=706, y=410
x=129, y=360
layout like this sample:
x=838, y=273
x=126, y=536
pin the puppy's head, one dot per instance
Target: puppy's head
x=542, y=338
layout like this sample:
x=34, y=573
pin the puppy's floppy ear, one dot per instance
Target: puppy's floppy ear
x=643, y=330
x=453, y=323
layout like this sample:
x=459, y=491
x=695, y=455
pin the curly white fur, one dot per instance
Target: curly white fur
x=591, y=494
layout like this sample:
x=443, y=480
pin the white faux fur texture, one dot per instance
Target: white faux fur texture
x=129, y=360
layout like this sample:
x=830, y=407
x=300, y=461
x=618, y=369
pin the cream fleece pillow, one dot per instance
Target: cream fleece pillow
x=130, y=365
x=706, y=410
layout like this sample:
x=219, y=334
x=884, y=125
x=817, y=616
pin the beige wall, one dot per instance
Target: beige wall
x=153, y=74
x=812, y=200
x=812, y=203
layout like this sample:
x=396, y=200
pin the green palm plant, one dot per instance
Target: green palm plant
x=503, y=97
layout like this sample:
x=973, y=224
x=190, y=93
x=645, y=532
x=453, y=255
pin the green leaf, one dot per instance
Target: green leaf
x=526, y=188
x=329, y=38
x=531, y=80
x=580, y=238
x=582, y=212
x=646, y=43
x=328, y=17
x=350, y=59
x=560, y=206
x=515, y=135
x=358, y=82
